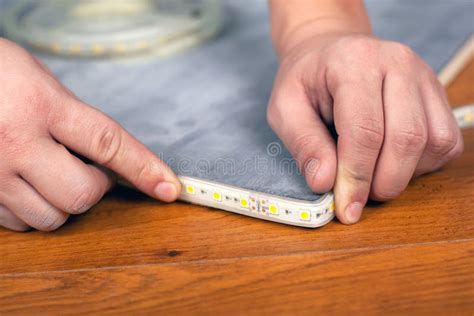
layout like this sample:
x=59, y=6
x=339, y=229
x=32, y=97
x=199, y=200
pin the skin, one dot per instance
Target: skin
x=391, y=115
x=41, y=182
x=390, y=112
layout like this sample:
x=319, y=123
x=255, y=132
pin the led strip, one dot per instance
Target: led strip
x=276, y=208
x=464, y=115
x=256, y=204
x=126, y=27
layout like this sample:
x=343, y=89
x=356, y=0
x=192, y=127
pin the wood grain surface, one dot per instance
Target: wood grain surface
x=133, y=255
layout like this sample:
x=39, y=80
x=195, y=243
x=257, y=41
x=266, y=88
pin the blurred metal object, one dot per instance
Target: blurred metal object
x=92, y=28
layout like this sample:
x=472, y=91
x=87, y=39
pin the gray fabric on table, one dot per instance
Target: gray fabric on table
x=203, y=111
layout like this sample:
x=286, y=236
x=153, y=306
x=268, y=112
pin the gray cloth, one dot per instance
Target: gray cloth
x=203, y=111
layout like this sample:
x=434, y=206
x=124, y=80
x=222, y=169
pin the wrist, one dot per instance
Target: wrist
x=295, y=22
x=318, y=29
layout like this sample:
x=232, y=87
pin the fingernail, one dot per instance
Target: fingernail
x=353, y=212
x=166, y=191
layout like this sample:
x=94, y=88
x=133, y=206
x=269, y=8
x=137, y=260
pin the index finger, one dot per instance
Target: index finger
x=359, y=120
x=96, y=136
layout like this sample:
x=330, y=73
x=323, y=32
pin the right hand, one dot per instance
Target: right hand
x=41, y=182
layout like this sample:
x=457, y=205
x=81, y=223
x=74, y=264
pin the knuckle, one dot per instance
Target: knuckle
x=432, y=79
x=23, y=100
x=48, y=223
x=82, y=199
x=7, y=137
x=386, y=192
x=12, y=47
x=303, y=148
x=353, y=78
x=442, y=141
x=21, y=227
x=276, y=109
x=403, y=53
x=10, y=221
x=13, y=142
x=107, y=144
x=457, y=150
x=368, y=134
x=354, y=57
x=149, y=173
x=4, y=42
x=359, y=46
x=354, y=173
x=32, y=91
x=272, y=115
x=5, y=182
x=410, y=139
x=385, y=195
x=31, y=95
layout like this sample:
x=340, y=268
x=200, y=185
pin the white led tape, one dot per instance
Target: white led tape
x=256, y=204
x=106, y=28
x=275, y=208
x=464, y=115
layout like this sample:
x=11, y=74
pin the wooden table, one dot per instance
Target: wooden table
x=132, y=255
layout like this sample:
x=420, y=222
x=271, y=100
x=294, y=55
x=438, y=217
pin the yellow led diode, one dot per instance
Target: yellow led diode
x=331, y=206
x=98, y=49
x=190, y=189
x=305, y=215
x=244, y=202
x=216, y=196
x=273, y=209
x=468, y=117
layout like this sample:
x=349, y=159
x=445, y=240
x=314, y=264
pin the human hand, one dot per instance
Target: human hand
x=390, y=112
x=41, y=182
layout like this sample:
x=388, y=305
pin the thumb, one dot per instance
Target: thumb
x=295, y=121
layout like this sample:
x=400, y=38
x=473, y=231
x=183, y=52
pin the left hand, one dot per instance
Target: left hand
x=391, y=115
